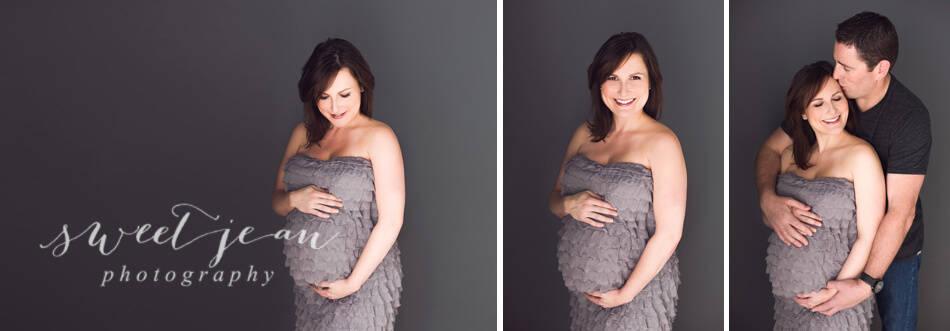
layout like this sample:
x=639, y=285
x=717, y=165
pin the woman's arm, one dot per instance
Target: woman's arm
x=669, y=210
x=310, y=199
x=584, y=206
x=869, y=201
x=389, y=177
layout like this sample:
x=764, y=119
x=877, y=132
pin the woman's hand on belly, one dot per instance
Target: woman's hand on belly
x=338, y=289
x=590, y=208
x=811, y=299
x=609, y=299
x=315, y=201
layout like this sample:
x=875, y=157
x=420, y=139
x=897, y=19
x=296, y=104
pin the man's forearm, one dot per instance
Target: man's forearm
x=890, y=235
x=767, y=166
x=768, y=163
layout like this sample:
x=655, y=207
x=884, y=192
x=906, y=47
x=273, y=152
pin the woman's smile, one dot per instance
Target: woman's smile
x=338, y=116
x=624, y=102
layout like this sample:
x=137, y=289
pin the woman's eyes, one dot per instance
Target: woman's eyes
x=324, y=97
x=822, y=103
x=631, y=77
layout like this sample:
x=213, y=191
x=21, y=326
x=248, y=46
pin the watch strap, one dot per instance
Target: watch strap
x=875, y=284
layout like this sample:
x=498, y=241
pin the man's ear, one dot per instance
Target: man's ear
x=882, y=69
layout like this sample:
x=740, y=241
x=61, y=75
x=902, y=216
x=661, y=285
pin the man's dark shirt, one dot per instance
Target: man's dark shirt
x=899, y=129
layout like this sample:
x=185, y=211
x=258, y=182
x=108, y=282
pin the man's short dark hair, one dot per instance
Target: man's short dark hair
x=872, y=34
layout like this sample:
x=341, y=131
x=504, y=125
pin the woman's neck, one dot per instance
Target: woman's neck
x=824, y=142
x=629, y=124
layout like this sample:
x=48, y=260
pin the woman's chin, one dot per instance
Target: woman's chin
x=625, y=112
x=830, y=131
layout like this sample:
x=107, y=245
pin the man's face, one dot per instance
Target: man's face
x=854, y=76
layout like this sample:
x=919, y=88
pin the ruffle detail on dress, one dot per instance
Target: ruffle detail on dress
x=340, y=241
x=601, y=259
x=794, y=270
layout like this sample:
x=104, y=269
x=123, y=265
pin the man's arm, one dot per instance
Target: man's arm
x=768, y=161
x=789, y=218
x=902, y=194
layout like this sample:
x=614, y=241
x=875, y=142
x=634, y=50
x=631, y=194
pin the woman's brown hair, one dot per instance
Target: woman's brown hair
x=611, y=56
x=326, y=61
x=805, y=86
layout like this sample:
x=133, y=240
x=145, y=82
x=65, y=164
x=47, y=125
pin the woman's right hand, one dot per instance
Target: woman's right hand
x=315, y=201
x=590, y=208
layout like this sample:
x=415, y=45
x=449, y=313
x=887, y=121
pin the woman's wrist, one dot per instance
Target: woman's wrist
x=354, y=284
x=627, y=294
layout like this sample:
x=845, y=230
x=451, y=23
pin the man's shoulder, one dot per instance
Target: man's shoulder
x=904, y=98
x=904, y=104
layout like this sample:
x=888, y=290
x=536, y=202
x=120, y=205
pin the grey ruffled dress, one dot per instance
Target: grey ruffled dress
x=600, y=259
x=794, y=270
x=340, y=241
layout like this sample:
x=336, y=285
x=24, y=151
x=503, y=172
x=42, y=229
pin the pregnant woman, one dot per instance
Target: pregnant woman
x=341, y=181
x=621, y=194
x=839, y=176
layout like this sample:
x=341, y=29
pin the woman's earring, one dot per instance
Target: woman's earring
x=805, y=118
x=361, y=89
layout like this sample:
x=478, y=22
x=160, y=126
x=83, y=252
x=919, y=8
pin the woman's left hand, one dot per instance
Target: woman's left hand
x=811, y=299
x=338, y=289
x=610, y=299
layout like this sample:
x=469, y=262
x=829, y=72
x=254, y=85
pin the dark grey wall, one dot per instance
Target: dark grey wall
x=768, y=43
x=547, y=48
x=114, y=111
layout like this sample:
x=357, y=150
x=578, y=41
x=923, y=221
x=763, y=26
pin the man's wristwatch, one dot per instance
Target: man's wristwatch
x=876, y=284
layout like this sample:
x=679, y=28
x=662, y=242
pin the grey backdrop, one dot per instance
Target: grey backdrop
x=114, y=111
x=768, y=44
x=548, y=46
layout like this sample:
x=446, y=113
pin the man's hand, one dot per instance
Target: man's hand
x=791, y=220
x=850, y=293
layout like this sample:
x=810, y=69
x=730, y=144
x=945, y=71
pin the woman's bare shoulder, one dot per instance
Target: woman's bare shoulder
x=582, y=131
x=581, y=136
x=861, y=151
x=378, y=129
x=376, y=134
x=298, y=137
x=660, y=136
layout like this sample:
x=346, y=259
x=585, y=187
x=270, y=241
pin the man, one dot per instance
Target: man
x=897, y=124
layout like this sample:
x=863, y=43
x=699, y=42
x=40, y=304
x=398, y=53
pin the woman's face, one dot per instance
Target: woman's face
x=627, y=89
x=340, y=103
x=827, y=113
